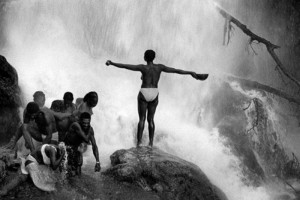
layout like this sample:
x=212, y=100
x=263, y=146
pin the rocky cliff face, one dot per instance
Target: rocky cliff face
x=9, y=100
x=171, y=177
x=254, y=129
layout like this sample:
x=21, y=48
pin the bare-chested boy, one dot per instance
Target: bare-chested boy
x=64, y=106
x=79, y=134
x=87, y=103
x=148, y=95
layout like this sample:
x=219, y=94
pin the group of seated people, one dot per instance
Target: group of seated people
x=58, y=136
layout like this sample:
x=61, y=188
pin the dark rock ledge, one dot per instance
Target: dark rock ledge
x=171, y=177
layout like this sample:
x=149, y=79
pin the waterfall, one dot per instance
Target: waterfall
x=62, y=45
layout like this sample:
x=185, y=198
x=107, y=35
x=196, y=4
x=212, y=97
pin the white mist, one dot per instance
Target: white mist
x=58, y=46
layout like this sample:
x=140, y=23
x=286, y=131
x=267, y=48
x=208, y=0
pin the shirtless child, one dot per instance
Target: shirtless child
x=87, y=103
x=78, y=136
x=64, y=106
x=148, y=95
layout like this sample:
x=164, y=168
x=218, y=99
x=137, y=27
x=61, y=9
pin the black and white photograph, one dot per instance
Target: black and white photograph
x=149, y=99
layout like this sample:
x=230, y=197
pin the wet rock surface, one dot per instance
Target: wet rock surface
x=90, y=185
x=7, y=162
x=9, y=88
x=9, y=100
x=168, y=175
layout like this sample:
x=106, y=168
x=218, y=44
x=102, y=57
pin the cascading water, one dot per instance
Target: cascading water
x=58, y=46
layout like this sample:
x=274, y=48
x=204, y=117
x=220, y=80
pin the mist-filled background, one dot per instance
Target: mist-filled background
x=58, y=46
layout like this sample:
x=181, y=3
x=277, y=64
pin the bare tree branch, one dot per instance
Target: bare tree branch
x=253, y=37
x=258, y=86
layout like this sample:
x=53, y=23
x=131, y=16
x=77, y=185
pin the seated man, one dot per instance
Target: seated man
x=36, y=165
x=77, y=136
x=31, y=129
x=38, y=126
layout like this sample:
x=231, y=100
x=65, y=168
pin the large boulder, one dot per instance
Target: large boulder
x=170, y=176
x=9, y=100
x=9, y=88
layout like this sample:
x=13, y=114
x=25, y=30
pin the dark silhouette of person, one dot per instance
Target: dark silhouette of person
x=148, y=95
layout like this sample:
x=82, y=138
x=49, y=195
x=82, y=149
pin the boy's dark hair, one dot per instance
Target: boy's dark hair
x=89, y=96
x=38, y=94
x=68, y=95
x=149, y=55
x=85, y=115
x=32, y=108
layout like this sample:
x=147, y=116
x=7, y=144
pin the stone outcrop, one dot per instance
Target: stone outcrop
x=9, y=100
x=9, y=88
x=154, y=170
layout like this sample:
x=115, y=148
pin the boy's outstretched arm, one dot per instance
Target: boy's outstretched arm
x=184, y=72
x=125, y=66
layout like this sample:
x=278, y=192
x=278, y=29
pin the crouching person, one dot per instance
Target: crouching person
x=39, y=165
x=78, y=136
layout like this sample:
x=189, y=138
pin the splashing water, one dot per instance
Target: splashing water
x=58, y=46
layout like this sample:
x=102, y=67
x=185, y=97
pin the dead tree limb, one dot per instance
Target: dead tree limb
x=258, y=86
x=253, y=37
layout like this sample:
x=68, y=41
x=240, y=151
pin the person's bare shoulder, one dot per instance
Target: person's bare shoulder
x=75, y=125
x=160, y=66
x=49, y=115
x=47, y=111
x=141, y=66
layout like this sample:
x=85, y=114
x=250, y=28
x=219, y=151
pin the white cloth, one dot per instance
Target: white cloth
x=46, y=159
x=42, y=176
x=149, y=93
x=23, y=167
